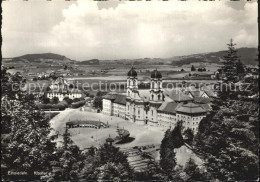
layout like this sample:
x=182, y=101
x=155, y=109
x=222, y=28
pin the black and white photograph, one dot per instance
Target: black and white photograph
x=129, y=90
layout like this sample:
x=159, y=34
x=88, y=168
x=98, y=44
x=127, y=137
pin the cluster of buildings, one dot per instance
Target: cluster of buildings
x=156, y=106
x=62, y=88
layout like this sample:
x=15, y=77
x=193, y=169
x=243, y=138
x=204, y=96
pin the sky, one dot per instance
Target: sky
x=83, y=30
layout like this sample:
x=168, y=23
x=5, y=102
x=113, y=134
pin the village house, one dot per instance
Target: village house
x=61, y=88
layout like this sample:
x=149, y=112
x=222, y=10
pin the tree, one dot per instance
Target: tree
x=68, y=100
x=28, y=146
x=70, y=161
x=194, y=172
x=193, y=68
x=189, y=135
x=76, y=100
x=230, y=74
x=240, y=67
x=98, y=102
x=172, y=139
x=113, y=172
x=167, y=155
x=45, y=100
x=228, y=139
x=230, y=64
x=108, y=163
x=55, y=100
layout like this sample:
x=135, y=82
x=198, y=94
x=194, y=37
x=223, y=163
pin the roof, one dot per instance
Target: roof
x=168, y=107
x=207, y=107
x=109, y=140
x=202, y=100
x=109, y=96
x=178, y=96
x=132, y=73
x=63, y=90
x=156, y=74
x=120, y=99
x=144, y=93
x=191, y=108
x=210, y=93
x=196, y=93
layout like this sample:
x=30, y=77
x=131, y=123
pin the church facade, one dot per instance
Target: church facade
x=153, y=109
x=143, y=110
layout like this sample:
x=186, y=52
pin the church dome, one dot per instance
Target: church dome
x=156, y=74
x=132, y=73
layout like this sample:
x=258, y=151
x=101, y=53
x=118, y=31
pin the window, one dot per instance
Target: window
x=152, y=97
x=152, y=112
x=159, y=97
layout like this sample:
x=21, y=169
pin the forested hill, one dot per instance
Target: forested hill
x=246, y=55
x=41, y=57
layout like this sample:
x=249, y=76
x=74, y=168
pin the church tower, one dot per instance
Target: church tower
x=156, y=93
x=132, y=85
x=131, y=94
x=156, y=97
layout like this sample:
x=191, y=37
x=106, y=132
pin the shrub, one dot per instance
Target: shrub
x=78, y=104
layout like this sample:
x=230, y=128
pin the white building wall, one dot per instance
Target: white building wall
x=152, y=115
x=107, y=107
x=122, y=110
x=61, y=96
x=128, y=108
x=191, y=122
x=166, y=120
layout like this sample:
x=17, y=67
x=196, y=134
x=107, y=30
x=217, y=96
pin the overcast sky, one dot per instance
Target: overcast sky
x=83, y=30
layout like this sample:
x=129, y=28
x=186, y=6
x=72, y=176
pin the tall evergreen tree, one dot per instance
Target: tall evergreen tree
x=172, y=139
x=240, y=68
x=230, y=64
x=230, y=75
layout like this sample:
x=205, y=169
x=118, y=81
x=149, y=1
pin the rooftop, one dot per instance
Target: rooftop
x=202, y=100
x=120, y=99
x=168, y=107
x=191, y=108
x=177, y=96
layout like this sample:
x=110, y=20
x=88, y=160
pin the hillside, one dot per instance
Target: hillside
x=89, y=62
x=40, y=58
x=247, y=57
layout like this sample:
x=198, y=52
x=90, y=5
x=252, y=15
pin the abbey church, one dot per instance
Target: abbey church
x=156, y=106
